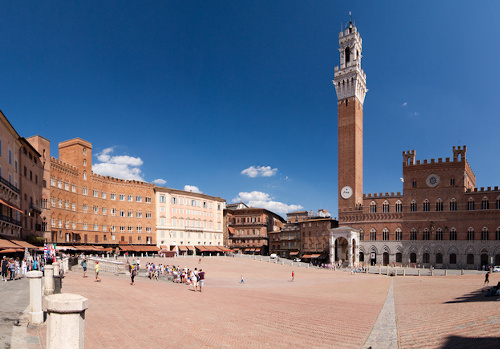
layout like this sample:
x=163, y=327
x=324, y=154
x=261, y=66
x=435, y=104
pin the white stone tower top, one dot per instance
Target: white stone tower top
x=350, y=80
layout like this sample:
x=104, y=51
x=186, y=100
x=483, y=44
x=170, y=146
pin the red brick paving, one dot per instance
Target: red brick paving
x=430, y=310
x=321, y=308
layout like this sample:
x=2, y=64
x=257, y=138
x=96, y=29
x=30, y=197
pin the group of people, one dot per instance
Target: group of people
x=179, y=275
x=15, y=268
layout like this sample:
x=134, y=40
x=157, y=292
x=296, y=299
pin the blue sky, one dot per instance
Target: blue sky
x=235, y=99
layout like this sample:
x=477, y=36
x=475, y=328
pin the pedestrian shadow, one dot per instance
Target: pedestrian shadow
x=475, y=296
x=457, y=342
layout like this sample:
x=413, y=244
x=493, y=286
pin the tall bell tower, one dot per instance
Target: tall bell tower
x=350, y=85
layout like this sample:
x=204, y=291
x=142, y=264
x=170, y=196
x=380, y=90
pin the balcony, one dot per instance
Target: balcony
x=8, y=185
x=35, y=208
x=10, y=220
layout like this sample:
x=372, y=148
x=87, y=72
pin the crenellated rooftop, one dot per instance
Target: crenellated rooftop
x=383, y=195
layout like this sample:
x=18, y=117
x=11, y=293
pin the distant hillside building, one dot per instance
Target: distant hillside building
x=441, y=219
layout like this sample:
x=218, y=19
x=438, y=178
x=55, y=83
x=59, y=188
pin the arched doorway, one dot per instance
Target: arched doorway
x=341, y=250
x=413, y=257
x=373, y=258
x=497, y=259
x=484, y=260
x=361, y=257
x=386, y=258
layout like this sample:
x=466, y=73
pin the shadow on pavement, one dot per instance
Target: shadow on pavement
x=475, y=296
x=457, y=342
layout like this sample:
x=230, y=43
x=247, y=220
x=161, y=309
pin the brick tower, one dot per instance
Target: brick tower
x=350, y=85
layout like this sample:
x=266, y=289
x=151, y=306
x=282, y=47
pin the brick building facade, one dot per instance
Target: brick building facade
x=81, y=207
x=441, y=219
x=249, y=228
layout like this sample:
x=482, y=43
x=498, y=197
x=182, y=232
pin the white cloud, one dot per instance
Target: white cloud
x=121, y=166
x=259, y=171
x=159, y=181
x=416, y=113
x=404, y=104
x=264, y=200
x=192, y=188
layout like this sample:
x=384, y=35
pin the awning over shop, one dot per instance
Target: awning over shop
x=315, y=255
x=201, y=248
x=12, y=250
x=3, y=202
x=7, y=244
x=231, y=230
x=257, y=250
x=24, y=244
x=182, y=248
x=294, y=253
x=65, y=248
x=306, y=256
x=191, y=248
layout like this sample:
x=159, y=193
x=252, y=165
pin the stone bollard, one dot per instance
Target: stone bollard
x=432, y=272
x=65, y=321
x=57, y=267
x=418, y=271
x=404, y=272
x=445, y=272
x=36, y=312
x=387, y=272
x=49, y=279
x=379, y=271
x=462, y=272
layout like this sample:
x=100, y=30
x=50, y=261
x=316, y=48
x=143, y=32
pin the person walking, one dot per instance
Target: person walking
x=5, y=266
x=84, y=266
x=194, y=278
x=293, y=275
x=242, y=281
x=487, y=278
x=97, y=278
x=132, y=273
x=201, y=279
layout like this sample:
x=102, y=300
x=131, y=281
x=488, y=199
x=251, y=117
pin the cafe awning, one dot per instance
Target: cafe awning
x=3, y=202
x=294, y=253
x=24, y=244
x=315, y=255
x=182, y=248
x=7, y=244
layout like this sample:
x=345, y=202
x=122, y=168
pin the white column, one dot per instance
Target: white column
x=48, y=279
x=65, y=321
x=332, y=250
x=36, y=312
x=349, y=252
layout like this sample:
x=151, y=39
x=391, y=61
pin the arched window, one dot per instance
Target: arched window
x=484, y=234
x=427, y=206
x=399, y=234
x=439, y=205
x=470, y=234
x=373, y=234
x=453, y=204
x=497, y=234
x=453, y=234
x=84, y=175
x=361, y=234
x=439, y=234
x=347, y=55
x=497, y=203
x=470, y=204
x=485, y=204
x=399, y=206
x=413, y=206
x=385, y=234
x=413, y=234
x=427, y=234
x=385, y=207
x=373, y=207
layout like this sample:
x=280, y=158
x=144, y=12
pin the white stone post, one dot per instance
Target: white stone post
x=65, y=321
x=36, y=312
x=56, y=268
x=49, y=279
